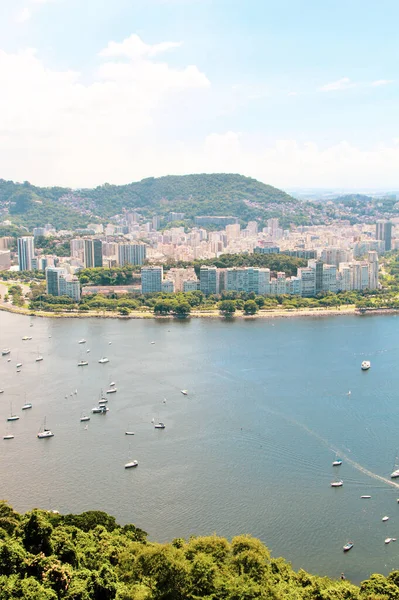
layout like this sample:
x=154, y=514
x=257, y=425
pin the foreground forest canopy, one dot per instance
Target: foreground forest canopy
x=48, y=556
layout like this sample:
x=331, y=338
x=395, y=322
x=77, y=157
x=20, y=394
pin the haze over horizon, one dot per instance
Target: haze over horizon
x=115, y=92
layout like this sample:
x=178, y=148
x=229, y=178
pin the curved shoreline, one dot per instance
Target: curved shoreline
x=262, y=314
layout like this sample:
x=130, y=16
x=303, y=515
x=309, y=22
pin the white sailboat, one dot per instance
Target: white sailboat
x=9, y=436
x=84, y=418
x=12, y=417
x=39, y=357
x=103, y=360
x=184, y=392
x=131, y=463
x=44, y=432
x=5, y=351
x=82, y=341
x=159, y=425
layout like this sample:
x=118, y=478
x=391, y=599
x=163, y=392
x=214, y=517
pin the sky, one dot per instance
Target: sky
x=296, y=93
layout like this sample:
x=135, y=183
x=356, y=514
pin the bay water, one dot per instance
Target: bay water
x=248, y=450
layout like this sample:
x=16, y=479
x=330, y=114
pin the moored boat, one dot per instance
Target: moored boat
x=82, y=363
x=131, y=464
x=337, y=462
x=337, y=483
x=111, y=391
x=366, y=364
x=159, y=426
x=5, y=351
x=44, y=432
x=348, y=547
x=27, y=406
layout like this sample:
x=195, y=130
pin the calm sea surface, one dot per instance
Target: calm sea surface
x=249, y=450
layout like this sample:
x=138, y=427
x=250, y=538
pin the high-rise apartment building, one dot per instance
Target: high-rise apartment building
x=383, y=231
x=248, y=279
x=209, y=281
x=373, y=270
x=5, y=260
x=329, y=278
x=151, y=279
x=317, y=265
x=308, y=277
x=131, y=254
x=53, y=276
x=26, y=251
x=93, y=253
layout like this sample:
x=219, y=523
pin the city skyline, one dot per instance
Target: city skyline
x=294, y=96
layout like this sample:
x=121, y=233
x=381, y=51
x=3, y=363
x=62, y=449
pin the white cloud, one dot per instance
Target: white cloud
x=23, y=15
x=133, y=47
x=55, y=127
x=340, y=84
x=382, y=82
x=124, y=124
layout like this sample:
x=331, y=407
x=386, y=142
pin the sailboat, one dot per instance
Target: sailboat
x=39, y=357
x=159, y=425
x=131, y=463
x=12, y=417
x=44, y=432
x=103, y=360
x=84, y=418
x=9, y=436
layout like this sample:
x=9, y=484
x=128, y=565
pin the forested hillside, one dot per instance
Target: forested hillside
x=47, y=556
x=217, y=194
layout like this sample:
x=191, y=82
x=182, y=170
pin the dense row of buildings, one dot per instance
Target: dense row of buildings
x=311, y=280
x=338, y=259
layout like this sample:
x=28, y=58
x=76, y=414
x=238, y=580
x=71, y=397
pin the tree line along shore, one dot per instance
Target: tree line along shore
x=27, y=290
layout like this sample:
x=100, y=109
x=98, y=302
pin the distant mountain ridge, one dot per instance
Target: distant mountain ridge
x=202, y=194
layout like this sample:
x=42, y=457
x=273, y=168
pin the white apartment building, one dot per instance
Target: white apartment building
x=329, y=278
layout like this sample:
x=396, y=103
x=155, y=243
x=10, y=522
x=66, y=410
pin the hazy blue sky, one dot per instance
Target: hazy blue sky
x=292, y=92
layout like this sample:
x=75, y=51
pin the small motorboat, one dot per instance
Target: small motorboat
x=102, y=401
x=84, y=419
x=5, y=351
x=111, y=391
x=109, y=343
x=131, y=464
x=112, y=384
x=103, y=360
x=88, y=350
x=366, y=364
x=184, y=392
x=337, y=483
x=365, y=497
x=159, y=426
x=152, y=342
x=18, y=365
x=389, y=540
x=348, y=547
x=27, y=406
x=129, y=432
x=8, y=437
x=337, y=462
x=395, y=474
x=384, y=519
x=13, y=418
x=82, y=341
x=82, y=363
x=1, y=391
x=18, y=370
x=26, y=337
x=39, y=358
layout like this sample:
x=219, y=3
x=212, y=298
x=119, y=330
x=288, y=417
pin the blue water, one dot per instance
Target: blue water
x=249, y=450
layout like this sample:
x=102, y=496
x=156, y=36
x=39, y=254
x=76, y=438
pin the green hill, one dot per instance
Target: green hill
x=47, y=556
x=216, y=194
